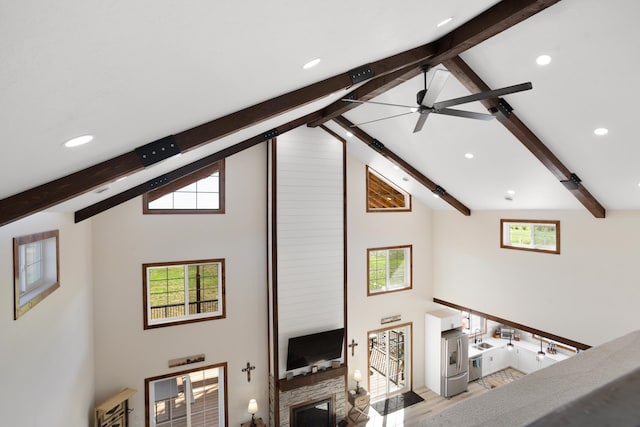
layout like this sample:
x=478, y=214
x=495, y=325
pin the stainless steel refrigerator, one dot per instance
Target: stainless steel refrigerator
x=455, y=362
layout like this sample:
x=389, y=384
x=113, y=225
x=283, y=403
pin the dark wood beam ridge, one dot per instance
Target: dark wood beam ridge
x=494, y=20
x=499, y=17
x=469, y=79
x=401, y=163
x=170, y=177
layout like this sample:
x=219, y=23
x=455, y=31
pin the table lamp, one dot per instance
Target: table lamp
x=253, y=409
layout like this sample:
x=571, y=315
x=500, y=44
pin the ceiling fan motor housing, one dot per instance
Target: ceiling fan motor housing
x=420, y=96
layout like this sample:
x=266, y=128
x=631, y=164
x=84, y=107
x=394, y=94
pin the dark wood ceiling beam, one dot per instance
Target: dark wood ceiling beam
x=501, y=16
x=459, y=68
x=494, y=20
x=170, y=177
x=367, y=91
x=401, y=163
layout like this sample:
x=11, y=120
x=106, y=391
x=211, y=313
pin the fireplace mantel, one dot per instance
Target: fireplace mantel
x=311, y=378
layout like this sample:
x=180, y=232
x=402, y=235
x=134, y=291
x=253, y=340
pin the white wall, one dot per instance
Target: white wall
x=588, y=293
x=369, y=230
x=46, y=356
x=124, y=239
x=310, y=236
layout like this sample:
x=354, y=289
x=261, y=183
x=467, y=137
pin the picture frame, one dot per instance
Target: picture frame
x=36, y=266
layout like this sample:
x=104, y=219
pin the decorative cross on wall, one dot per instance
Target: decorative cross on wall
x=352, y=346
x=248, y=370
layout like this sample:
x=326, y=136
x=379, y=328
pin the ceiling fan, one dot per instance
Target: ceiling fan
x=426, y=100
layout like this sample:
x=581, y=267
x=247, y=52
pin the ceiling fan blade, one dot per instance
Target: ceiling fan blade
x=438, y=81
x=421, y=120
x=466, y=114
x=357, y=101
x=483, y=95
x=384, y=118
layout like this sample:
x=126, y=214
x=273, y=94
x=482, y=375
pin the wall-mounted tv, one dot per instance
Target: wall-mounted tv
x=307, y=350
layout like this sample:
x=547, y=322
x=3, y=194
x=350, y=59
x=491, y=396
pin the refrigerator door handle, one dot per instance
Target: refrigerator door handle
x=459, y=354
x=457, y=377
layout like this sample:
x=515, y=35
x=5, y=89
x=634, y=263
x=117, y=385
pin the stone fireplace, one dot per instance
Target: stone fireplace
x=313, y=393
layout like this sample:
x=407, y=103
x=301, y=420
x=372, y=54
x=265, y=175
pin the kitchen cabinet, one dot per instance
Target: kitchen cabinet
x=547, y=361
x=527, y=361
x=451, y=321
x=493, y=360
x=511, y=358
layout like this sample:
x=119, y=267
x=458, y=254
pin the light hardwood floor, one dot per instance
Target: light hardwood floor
x=434, y=403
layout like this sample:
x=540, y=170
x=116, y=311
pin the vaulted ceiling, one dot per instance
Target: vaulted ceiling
x=213, y=78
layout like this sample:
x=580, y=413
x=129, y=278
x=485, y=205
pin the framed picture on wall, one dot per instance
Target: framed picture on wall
x=36, y=267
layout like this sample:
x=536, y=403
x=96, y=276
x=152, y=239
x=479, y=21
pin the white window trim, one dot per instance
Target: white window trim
x=505, y=240
x=168, y=321
x=408, y=276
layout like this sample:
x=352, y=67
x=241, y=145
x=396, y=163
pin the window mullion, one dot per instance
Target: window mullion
x=186, y=290
x=387, y=270
x=533, y=238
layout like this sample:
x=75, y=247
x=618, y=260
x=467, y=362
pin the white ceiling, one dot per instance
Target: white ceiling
x=131, y=72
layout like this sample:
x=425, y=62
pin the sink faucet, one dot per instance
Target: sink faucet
x=475, y=338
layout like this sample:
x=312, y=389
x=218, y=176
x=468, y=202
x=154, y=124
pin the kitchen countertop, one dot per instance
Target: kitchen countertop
x=500, y=342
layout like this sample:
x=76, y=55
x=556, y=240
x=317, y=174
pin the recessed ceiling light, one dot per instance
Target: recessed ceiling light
x=79, y=140
x=601, y=131
x=311, y=63
x=511, y=192
x=349, y=135
x=469, y=155
x=543, y=60
x=413, y=109
x=396, y=167
x=445, y=22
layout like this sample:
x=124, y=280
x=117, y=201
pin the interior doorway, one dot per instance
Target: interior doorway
x=389, y=355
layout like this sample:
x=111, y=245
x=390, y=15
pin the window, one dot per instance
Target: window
x=36, y=269
x=389, y=269
x=196, y=193
x=383, y=196
x=473, y=324
x=183, y=292
x=530, y=235
x=188, y=398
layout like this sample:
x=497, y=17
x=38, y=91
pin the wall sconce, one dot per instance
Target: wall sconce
x=357, y=377
x=540, y=354
x=253, y=409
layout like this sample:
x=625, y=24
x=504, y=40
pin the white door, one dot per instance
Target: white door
x=389, y=361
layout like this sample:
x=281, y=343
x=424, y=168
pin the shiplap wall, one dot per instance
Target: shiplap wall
x=310, y=235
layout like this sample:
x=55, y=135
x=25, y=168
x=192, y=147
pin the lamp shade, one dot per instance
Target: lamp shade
x=253, y=407
x=357, y=375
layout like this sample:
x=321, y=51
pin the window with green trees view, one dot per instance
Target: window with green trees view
x=530, y=235
x=389, y=269
x=183, y=292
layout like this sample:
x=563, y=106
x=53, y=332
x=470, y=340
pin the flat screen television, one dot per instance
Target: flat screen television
x=307, y=350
